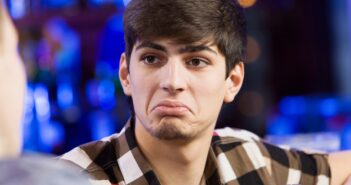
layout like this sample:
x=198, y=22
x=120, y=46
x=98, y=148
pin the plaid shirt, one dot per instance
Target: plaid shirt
x=235, y=157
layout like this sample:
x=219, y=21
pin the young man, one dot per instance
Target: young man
x=12, y=88
x=183, y=60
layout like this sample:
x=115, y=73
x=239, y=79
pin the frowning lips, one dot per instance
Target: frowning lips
x=171, y=108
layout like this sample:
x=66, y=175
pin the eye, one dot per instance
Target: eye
x=150, y=59
x=197, y=63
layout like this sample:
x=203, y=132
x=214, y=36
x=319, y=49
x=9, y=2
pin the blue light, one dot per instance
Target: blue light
x=28, y=105
x=106, y=93
x=51, y=135
x=126, y=2
x=100, y=2
x=28, y=121
x=111, y=44
x=115, y=24
x=293, y=106
x=91, y=92
x=17, y=8
x=59, y=3
x=329, y=107
x=42, y=105
x=101, y=125
x=65, y=96
x=101, y=93
x=346, y=137
x=281, y=126
x=104, y=70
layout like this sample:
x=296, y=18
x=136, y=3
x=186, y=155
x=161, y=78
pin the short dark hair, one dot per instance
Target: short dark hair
x=188, y=21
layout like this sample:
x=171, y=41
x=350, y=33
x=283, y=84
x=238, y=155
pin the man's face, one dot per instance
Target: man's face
x=177, y=89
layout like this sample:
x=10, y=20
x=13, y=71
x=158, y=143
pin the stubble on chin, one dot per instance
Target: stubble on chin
x=171, y=129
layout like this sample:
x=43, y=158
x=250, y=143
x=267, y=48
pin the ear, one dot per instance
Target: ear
x=124, y=75
x=234, y=82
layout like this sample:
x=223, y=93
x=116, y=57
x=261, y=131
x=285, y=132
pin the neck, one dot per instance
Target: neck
x=174, y=161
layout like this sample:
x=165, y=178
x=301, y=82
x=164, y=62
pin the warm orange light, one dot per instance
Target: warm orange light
x=246, y=3
x=253, y=49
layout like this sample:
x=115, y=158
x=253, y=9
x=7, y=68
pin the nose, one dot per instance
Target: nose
x=173, y=77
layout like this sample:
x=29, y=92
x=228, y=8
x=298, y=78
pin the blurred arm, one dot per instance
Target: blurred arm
x=12, y=88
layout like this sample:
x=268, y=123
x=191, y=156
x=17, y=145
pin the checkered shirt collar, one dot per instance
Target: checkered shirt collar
x=136, y=169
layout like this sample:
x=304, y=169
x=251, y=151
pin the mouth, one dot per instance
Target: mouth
x=171, y=108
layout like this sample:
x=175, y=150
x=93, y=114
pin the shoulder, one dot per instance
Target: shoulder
x=286, y=165
x=236, y=134
x=240, y=143
x=232, y=140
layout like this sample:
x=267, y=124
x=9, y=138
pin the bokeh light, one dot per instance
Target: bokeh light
x=253, y=49
x=246, y=3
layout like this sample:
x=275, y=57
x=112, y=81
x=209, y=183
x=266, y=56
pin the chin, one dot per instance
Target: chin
x=172, y=129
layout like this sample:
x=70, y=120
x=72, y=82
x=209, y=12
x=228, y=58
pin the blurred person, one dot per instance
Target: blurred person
x=38, y=170
x=29, y=169
x=12, y=88
x=183, y=60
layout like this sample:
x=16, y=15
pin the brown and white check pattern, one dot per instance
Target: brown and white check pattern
x=237, y=157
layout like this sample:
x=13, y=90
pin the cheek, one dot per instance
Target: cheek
x=210, y=95
x=142, y=87
x=212, y=86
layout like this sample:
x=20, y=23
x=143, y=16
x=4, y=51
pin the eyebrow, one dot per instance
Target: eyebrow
x=196, y=48
x=186, y=49
x=148, y=44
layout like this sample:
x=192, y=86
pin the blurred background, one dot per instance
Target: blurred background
x=297, y=87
